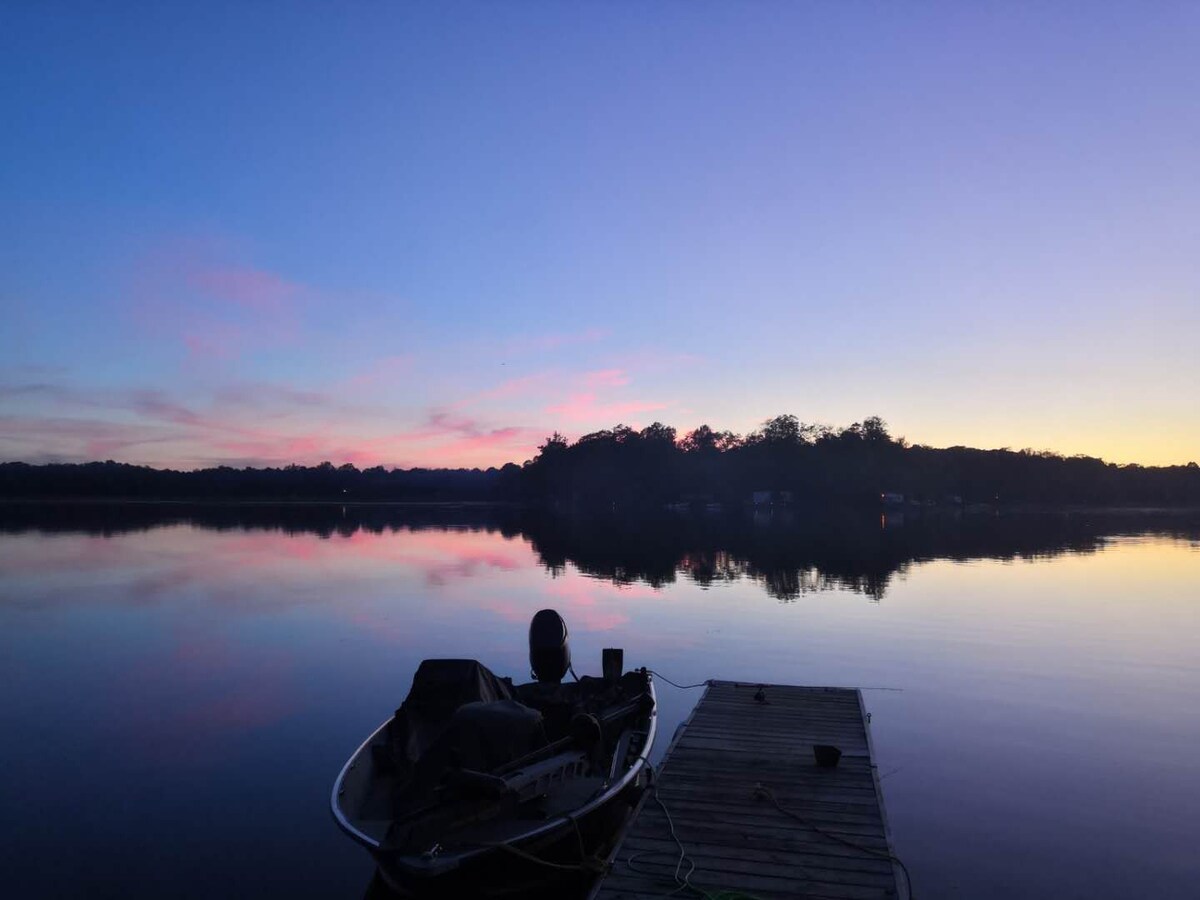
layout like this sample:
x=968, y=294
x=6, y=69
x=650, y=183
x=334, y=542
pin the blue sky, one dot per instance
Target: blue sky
x=432, y=234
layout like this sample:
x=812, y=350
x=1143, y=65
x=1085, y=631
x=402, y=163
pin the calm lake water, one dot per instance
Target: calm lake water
x=180, y=686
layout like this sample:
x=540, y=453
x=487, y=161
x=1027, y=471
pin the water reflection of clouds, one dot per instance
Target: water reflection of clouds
x=592, y=604
x=191, y=698
x=230, y=569
x=589, y=604
x=439, y=556
x=578, y=601
x=511, y=586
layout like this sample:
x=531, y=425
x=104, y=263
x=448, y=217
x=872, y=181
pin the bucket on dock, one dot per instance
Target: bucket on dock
x=826, y=755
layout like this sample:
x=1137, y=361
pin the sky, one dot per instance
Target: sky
x=432, y=234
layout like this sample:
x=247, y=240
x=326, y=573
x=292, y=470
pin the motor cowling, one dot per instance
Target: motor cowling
x=549, y=647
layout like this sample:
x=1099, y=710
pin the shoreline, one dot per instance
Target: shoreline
x=799, y=510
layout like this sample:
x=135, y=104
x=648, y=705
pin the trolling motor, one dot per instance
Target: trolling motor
x=549, y=649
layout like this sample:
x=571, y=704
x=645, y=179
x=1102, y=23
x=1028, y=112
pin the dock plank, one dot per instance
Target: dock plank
x=731, y=746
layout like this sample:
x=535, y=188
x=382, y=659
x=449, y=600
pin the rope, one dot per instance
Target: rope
x=682, y=687
x=761, y=790
x=683, y=882
x=590, y=864
x=565, y=867
x=746, y=683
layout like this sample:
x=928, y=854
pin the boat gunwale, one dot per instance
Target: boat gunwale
x=336, y=807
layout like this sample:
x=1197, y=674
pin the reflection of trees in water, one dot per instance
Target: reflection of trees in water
x=798, y=555
x=786, y=585
x=789, y=556
x=707, y=568
x=782, y=583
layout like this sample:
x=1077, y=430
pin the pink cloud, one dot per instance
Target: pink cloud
x=187, y=292
x=606, y=378
x=513, y=388
x=585, y=407
x=541, y=383
x=30, y=437
x=187, y=437
x=217, y=342
x=280, y=446
x=155, y=405
x=442, y=421
x=501, y=445
x=586, y=404
x=248, y=423
x=253, y=288
x=160, y=420
x=446, y=439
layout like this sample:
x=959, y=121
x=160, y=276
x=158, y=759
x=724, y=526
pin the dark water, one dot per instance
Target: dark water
x=180, y=685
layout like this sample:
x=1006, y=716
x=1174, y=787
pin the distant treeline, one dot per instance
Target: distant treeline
x=819, y=465
x=322, y=482
x=783, y=462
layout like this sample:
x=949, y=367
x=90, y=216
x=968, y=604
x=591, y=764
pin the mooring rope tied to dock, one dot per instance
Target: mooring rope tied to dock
x=682, y=687
x=681, y=883
x=699, y=684
x=588, y=863
x=760, y=791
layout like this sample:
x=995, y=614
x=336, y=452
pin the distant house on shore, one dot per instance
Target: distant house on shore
x=771, y=498
x=891, y=498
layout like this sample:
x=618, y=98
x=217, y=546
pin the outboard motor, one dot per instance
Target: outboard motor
x=549, y=650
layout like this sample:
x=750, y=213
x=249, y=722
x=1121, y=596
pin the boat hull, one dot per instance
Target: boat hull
x=551, y=862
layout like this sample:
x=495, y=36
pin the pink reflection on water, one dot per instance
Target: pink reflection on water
x=257, y=704
x=444, y=556
x=193, y=702
x=587, y=604
x=509, y=610
x=170, y=562
x=440, y=556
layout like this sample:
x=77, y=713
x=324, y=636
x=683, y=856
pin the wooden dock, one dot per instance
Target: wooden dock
x=835, y=843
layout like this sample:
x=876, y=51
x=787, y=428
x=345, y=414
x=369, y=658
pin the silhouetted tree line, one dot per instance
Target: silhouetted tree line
x=819, y=465
x=322, y=482
x=628, y=469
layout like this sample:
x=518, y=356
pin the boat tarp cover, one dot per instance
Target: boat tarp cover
x=443, y=685
x=459, y=714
